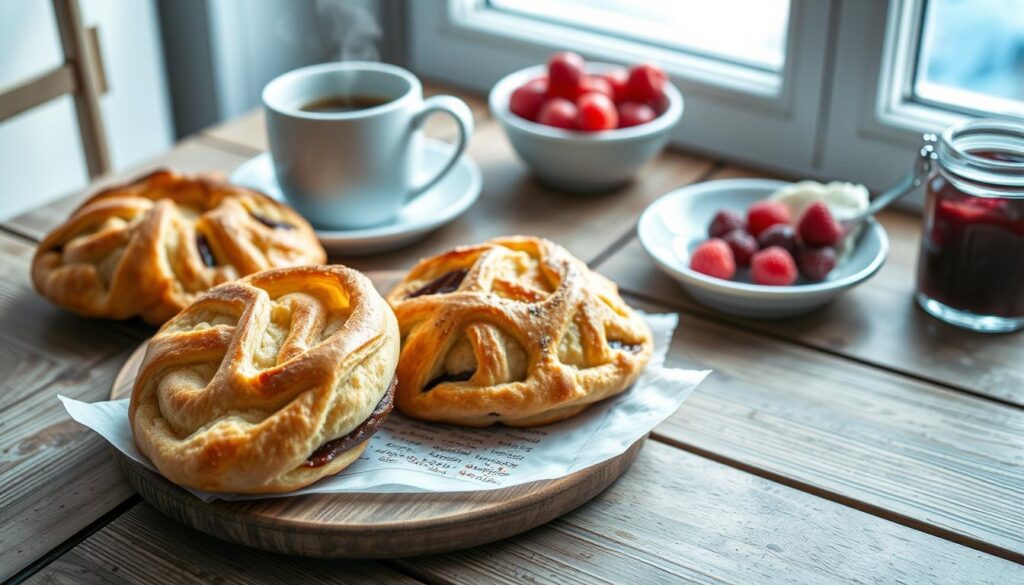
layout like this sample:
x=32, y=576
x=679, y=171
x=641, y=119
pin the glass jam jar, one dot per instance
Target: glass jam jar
x=970, y=269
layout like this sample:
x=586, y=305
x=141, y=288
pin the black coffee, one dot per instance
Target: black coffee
x=343, y=103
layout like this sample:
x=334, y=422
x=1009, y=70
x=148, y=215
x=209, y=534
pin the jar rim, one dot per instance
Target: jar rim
x=960, y=144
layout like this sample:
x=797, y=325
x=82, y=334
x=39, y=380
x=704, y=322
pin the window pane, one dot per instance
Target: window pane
x=747, y=32
x=972, y=55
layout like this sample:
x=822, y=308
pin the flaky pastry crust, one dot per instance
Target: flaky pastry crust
x=239, y=390
x=515, y=330
x=151, y=246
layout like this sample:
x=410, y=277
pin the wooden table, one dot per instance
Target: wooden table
x=867, y=442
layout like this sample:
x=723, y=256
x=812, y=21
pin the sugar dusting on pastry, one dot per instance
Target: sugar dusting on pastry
x=529, y=336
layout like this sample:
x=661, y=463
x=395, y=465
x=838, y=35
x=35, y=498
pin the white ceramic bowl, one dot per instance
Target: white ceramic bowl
x=674, y=225
x=582, y=162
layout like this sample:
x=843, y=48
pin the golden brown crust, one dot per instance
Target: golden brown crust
x=138, y=248
x=241, y=387
x=542, y=336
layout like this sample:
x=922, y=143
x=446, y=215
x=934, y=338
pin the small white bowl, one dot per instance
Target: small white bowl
x=582, y=162
x=674, y=225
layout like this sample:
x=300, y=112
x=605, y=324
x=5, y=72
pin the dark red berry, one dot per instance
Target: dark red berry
x=724, y=222
x=743, y=246
x=816, y=262
x=781, y=235
x=818, y=227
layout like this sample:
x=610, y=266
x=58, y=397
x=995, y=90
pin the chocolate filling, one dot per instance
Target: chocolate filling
x=443, y=284
x=460, y=377
x=630, y=347
x=271, y=223
x=203, y=245
x=325, y=453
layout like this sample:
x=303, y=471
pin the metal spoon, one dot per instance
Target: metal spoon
x=912, y=180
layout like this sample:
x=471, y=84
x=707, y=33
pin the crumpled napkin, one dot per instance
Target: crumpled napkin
x=407, y=455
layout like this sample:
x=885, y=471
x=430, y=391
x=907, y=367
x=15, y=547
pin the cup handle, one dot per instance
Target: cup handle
x=460, y=112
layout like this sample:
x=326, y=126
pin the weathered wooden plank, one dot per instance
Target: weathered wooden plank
x=946, y=462
x=249, y=131
x=674, y=517
x=143, y=546
x=877, y=322
x=193, y=155
x=678, y=518
x=56, y=477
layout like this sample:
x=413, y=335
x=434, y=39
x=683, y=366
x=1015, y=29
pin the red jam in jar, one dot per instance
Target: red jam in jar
x=971, y=265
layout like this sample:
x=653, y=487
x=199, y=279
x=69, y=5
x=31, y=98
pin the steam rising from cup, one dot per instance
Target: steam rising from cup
x=350, y=29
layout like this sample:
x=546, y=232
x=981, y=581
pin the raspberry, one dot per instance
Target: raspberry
x=764, y=214
x=714, y=258
x=743, y=246
x=818, y=227
x=773, y=266
x=816, y=262
x=724, y=222
x=781, y=235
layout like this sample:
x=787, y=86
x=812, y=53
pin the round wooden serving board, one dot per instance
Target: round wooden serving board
x=369, y=525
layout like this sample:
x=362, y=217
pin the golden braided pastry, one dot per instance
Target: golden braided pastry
x=515, y=330
x=268, y=383
x=149, y=247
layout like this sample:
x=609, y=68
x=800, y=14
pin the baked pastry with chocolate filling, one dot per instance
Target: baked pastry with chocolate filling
x=515, y=330
x=150, y=247
x=268, y=383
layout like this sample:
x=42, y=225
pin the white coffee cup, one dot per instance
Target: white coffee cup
x=357, y=168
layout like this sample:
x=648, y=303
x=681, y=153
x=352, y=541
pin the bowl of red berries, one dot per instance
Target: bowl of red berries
x=764, y=249
x=586, y=127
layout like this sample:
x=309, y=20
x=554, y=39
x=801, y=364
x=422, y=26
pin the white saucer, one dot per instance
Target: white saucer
x=452, y=196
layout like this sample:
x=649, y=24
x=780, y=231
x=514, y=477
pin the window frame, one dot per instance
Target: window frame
x=468, y=44
x=843, y=108
x=707, y=72
x=875, y=121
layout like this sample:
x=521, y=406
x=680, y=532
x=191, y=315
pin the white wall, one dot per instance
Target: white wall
x=40, y=152
x=222, y=52
x=254, y=41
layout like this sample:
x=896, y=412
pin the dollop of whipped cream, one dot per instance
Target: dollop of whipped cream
x=844, y=200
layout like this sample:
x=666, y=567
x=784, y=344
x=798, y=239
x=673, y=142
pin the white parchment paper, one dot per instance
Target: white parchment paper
x=406, y=455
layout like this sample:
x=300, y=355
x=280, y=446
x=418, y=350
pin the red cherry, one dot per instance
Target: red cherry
x=646, y=83
x=565, y=73
x=598, y=84
x=743, y=246
x=816, y=262
x=526, y=100
x=634, y=114
x=659, y=104
x=781, y=235
x=558, y=112
x=618, y=79
x=596, y=112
